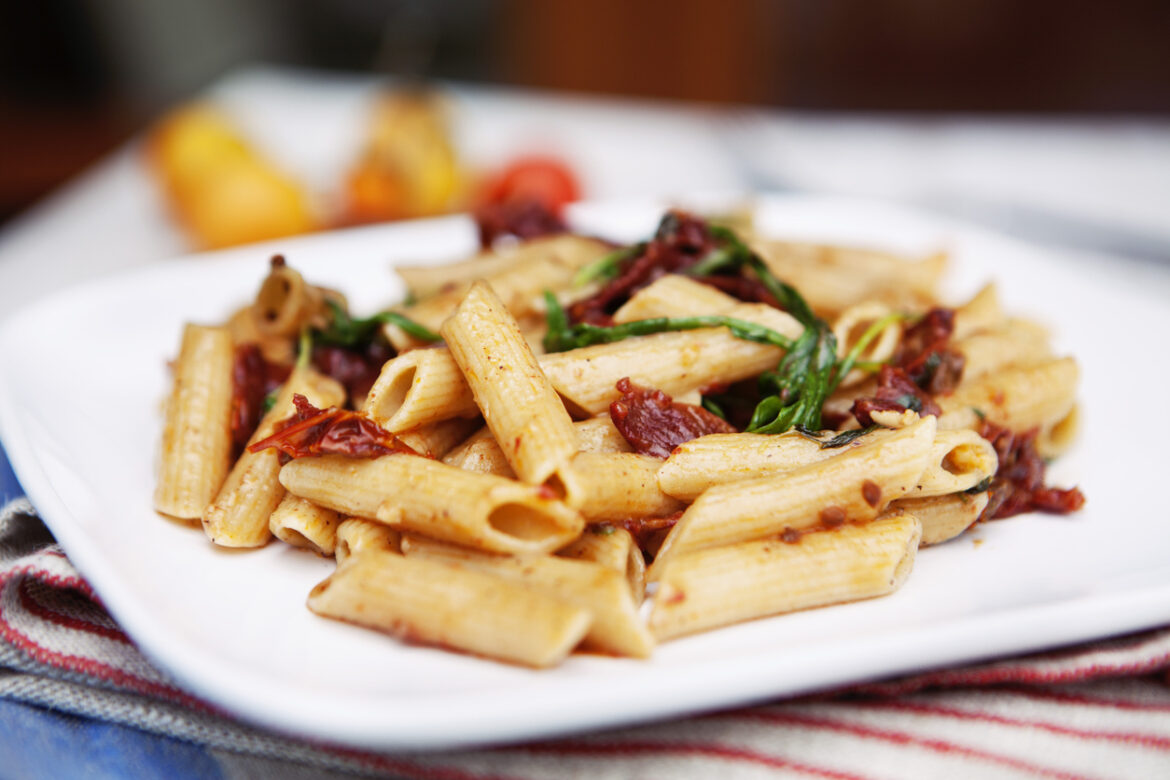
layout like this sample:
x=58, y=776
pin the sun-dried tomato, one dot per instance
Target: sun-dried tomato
x=524, y=219
x=311, y=431
x=682, y=241
x=253, y=378
x=648, y=532
x=356, y=369
x=654, y=424
x=1018, y=485
x=895, y=392
x=925, y=355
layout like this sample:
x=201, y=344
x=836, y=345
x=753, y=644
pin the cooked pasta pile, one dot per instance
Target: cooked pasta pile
x=555, y=431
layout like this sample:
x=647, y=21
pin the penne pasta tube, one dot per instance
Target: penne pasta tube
x=619, y=486
x=943, y=517
x=480, y=453
x=543, y=264
x=286, y=302
x=240, y=514
x=717, y=587
x=1055, y=439
x=197, y=440
x=1014, y=342
x=674, y=295
x=451, y=606
x=491, y=513
x=599, y=434
x=302, y=523
x=1019, y=398
x=605, y=593
x=852, y=325
x=982, y=312
x=613, y=547
x=356, y=534
x=959, y=460
x=720, y=458
x=519, y=404
x=437, y=439
x=419, y=387
x=424, y=281
x=832, y=279
x=852, y=487
x=675, y=363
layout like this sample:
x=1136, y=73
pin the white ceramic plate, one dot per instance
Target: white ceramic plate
x=84, y=372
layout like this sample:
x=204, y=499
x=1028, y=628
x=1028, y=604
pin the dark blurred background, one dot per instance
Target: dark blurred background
x=78, y=77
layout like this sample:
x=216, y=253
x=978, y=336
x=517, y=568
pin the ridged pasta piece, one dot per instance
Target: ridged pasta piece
x=535, y=266
x=518, y=403
x=196, y=441
x=240, y=514
x=480, y=453
x=451, y=606
x=1014, y=342
x=605, y=593
x=302, y=523
x=674, y=295
x=959, y=460
x=943, y=517
x=1019, y=398
x=981, y=312
x=620, y=485
x=356, y=534
x=831, y=279
x=675, y=363
x=720, y=458
x=491, y=513
x=852, y=323
x=852, y=487
x=718, y=587
x=613, y=547
x=437, y=439
x=420, y=387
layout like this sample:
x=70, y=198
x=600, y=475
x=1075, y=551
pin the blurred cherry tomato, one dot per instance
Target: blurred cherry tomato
x=546, y=180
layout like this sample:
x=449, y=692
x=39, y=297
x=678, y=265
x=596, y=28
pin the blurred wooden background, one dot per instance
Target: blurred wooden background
x=77, y=77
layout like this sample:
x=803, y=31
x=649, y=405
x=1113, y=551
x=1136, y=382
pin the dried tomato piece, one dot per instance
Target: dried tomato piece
x=925, y=356
x=648, y=532
x=682, y=240
x=253, y=378
x=654, y=424
x=524, y=219
x=311, y=431
x=896, y=392
x=356, y=369
x=1018, y=485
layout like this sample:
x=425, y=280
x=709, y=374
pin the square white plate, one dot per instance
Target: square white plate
x=84, y=372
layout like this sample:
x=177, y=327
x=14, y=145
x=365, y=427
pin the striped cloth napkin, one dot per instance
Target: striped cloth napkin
x=1097, y=710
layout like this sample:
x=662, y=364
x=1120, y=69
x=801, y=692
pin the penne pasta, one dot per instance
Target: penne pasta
x=518, y=403
x=414, y=494
x=197, y=441
x=852, y=487
x=943, y=517
x=302, y=523
x=620, y=485
x=1039, y=395
x=356, y=534
x=451, y=606
x=240, y=514
x=718, y=587
x=605, y=593
x=613, y=547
